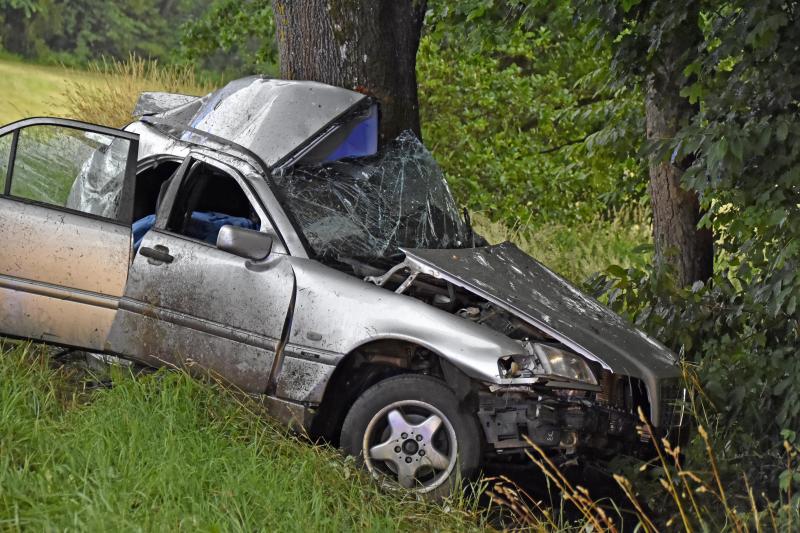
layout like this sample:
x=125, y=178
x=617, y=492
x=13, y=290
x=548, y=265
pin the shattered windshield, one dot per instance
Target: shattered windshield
x=367, y=208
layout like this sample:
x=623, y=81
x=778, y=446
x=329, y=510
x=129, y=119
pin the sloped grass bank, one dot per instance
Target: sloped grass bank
x=164, y=452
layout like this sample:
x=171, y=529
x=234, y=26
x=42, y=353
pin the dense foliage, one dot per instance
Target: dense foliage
x=516, y=108
x=78, y=31
x=232, y=37
x=743, y=141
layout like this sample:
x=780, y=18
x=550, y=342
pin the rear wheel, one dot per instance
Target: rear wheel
x=410, y=432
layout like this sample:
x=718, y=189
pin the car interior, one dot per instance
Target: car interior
x=208, y=199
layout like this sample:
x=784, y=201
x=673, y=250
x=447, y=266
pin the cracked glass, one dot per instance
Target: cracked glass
x=367, y=208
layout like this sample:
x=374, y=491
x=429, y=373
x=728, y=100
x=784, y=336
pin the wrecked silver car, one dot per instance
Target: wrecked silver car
x=261, y=234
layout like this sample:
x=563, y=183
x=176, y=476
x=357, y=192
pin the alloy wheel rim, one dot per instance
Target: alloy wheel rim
x=411, y=444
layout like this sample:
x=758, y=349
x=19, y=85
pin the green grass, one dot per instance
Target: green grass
x=35, y=89
x=167, y=452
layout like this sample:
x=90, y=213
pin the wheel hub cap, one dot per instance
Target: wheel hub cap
x=416, y=447
x=410, y=447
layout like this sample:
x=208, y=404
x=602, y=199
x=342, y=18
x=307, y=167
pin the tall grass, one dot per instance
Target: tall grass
x=693, y=499
x=111, y=101
x=165, y=452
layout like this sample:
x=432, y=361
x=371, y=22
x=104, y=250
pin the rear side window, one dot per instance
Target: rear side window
x=67, y=167
x=5, y=154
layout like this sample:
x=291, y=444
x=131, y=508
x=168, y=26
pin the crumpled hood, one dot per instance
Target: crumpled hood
x=511, y=279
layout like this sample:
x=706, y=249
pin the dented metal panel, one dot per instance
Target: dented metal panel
x=508, y=277
x=210, y=294
x=337, y=313
x=269, y=117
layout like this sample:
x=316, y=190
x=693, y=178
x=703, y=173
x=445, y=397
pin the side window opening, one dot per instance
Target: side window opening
x=67, y=167
x=208, y=199
x=149, y=183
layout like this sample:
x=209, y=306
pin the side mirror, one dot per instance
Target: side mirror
x=247, y=243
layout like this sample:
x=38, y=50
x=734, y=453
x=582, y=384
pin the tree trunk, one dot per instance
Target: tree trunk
x=364, y=45
x=676, y=211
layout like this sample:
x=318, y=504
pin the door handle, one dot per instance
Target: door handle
x=157, y=254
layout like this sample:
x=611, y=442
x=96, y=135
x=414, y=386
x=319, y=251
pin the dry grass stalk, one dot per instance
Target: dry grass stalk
x=589, y=508
x=686, y=489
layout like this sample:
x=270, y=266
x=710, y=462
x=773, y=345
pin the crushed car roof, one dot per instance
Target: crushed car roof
x=270, y=118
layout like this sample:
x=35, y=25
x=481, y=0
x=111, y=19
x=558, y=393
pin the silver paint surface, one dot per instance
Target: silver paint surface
x=269, y=117
x=61, y=274
x=64, y=249
x=205, y=293
x=152, y=103
x=349, y=313
x=506, y=276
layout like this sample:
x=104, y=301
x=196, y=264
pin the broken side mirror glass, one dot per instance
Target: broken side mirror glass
x=247, y=243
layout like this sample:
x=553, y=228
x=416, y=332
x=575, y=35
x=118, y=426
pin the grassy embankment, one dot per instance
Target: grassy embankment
x=165, y=451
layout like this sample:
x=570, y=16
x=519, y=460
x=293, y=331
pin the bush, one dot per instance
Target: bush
x=508, y=126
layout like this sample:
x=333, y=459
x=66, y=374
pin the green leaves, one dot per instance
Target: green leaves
x=80, y=31
x=628, y=4
x=517, y=107
x=232, y=37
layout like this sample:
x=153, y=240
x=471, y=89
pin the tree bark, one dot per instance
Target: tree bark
x=364, y=45
x=676, y=211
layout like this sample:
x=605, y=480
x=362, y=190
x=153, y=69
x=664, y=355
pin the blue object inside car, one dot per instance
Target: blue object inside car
x=362, y=140
x=204, y=225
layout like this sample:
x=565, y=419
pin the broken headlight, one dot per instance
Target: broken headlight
x=546, y=360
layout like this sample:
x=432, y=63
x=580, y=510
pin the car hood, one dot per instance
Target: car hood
x=511, y=279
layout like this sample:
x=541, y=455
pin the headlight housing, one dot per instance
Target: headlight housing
x=559, y=362
x=547, y=360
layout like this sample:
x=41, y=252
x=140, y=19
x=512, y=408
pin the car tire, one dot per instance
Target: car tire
x=409, y=431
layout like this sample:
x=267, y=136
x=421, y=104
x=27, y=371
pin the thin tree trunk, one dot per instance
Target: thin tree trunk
x=676, y=211
x=365, y=45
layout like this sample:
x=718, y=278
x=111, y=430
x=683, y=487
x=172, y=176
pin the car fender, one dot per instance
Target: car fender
x=336, y=314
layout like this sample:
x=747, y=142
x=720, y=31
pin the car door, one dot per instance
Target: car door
x=192, y=305
x=63, y=263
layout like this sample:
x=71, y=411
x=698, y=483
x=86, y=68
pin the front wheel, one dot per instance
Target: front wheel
x=409, y=431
